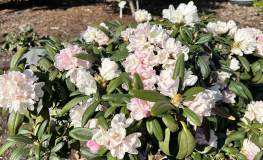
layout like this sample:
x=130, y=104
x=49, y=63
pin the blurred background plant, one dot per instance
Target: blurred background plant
x=206, y=18
x=259, y=4
x=20, y=38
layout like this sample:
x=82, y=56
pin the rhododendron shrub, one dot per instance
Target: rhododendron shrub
x=177, y=85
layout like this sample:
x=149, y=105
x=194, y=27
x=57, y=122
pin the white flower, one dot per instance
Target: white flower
x=228, y=96
x=218, y=28
x=142, y=16
x=119, y=120
x=234, y=64
x=249, y=149
x=104, y=25
x=201, y=140
x=127, y=33
x=255, y=111
x=109, y=69
x=232, y=26
x=217, y=92
x=92, y=123
x=90, y=34
x=189, y=79
x=175, y=48
x=156, y=34
x=245, y=42
x=221, y=79
x=184, y=15
x=100, y=136
x=77, y=112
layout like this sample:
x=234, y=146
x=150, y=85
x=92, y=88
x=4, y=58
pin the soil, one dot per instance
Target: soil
x=67, y=19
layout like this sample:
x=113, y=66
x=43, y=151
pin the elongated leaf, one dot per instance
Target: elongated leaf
x=17, y=56
x=22, y=154
x=170, y=123
x=205, y=38
x=149, y=125
x=4, y=110
x=103, y=29
x=157, y=130
x=192, y=116
x=193, y=91
x=57, y=147
x=55, y=39
x=20, y=138
x=86, y=152
x=51, y=52
x=42, y=128
x=102, y=150
x=15, y=120
x=138, y=84
x=102, y=122
x=53, y=75
x=120, y=29
x=52, y=157
x=6, y=146
x=88, y=57
x=89, y=113
x=238, y=135
x=75, y=93
x=82, y=134
x=116, y=82
x=186, y=143
x=179, y=71
x=205, y=69
x=45, y=63
x=161, y=107
x=24, y=131
x=17, y=69
x=237, y=89
x=164, y=146
x=244, y=62
x=259, y=156
x=246, y=90
x=148, y=95
x=16, y=151
x=109, y=111
x=71, y=104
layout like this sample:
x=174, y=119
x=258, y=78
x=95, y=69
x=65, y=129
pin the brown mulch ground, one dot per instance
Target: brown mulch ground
x=67, y=21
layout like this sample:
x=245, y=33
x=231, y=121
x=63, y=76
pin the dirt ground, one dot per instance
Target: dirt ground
x=67, y=19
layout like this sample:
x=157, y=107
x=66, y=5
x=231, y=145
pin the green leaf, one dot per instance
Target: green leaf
x=24, y=131
x=115, y=97
x=18, y=69
x=246, y=90
x=244, y=62
x=161, y=107
x=237, y=89
x=45, y=137
x=53, y=75
x=71, y=104
x=37, y=153
x=4, y=110
x=116, y=82
x=45, y=63
x=5, y=146
x=230, y=150
x=184, y=35
x=16, y=151
x=149, y=125
x=22, y=154
x=102, y=122
x=259, y=156
x=111, y=23
x=86, y=152
x=55, y=39
x=205, y=38
x=82, y=134
x=206, y=149
x=157, y=130
x=20, y=138
x=51, y=52
x=101, y=28
x=148, y=95
x=193, y=91
x=138, y=84
x=17, y=56
x=174, y=33
x=116, y=39
x=238, y=135
x=15, y=120
x=89, y=113
x=109, y=111
x=205, y=69
x=119, y=57
x=186, y=143
x=57, y=147
x=70, y=85
x=192, y=116
x=52, y=157
x=75, y=93
x=170, y=123
x=102, y=150
x=179, y=71
x=240, y=156
x=42, y=128
x=164, y=146
x=88, y=57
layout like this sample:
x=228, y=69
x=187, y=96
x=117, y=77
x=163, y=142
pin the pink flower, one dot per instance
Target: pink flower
x=249, y=149
x=66, y=61
x=254, y=31
x=139, y=108
x=228, y=96
x=259, y=46
x=169, y=32
x=127, y=33
x=94, y=147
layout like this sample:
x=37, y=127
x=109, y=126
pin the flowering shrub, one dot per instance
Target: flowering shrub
x=174, y=85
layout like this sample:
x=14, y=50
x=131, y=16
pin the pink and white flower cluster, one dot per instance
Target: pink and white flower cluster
x=255, y=111
x=142, y=16
x=95, y=35
x=144, y=43
x=249, y=149
x=219, y=28
x=116, y=139
x=77, y=112
x=19, y=91
x=259, y=46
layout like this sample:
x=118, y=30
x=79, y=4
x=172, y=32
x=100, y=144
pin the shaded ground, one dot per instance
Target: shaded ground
x=67, y=19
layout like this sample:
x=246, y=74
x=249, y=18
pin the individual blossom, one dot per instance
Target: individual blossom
x=19, y=91
x=100, y=136
x=84, y=81
x=119, y=120
x=142, y=16
x=139, y=108
x=175, y=48
x=94, y=147
x=93, y=123
x=255, y=111
x=245, y=42
x=94, y=35
x=131, y=62
x=184, y=14
x=228, y=96
x=219, y=28
x=109, y=69
x=202, y=104
x=221, y=79
x=234, y=64
x=257, y=32
x=249, y=149
x=201, y=140
x=259, y=46
x=77, y=112
x=127, y=33
x=189, y=79
x=66, y=61
x=156, y=34
x=232, y=26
